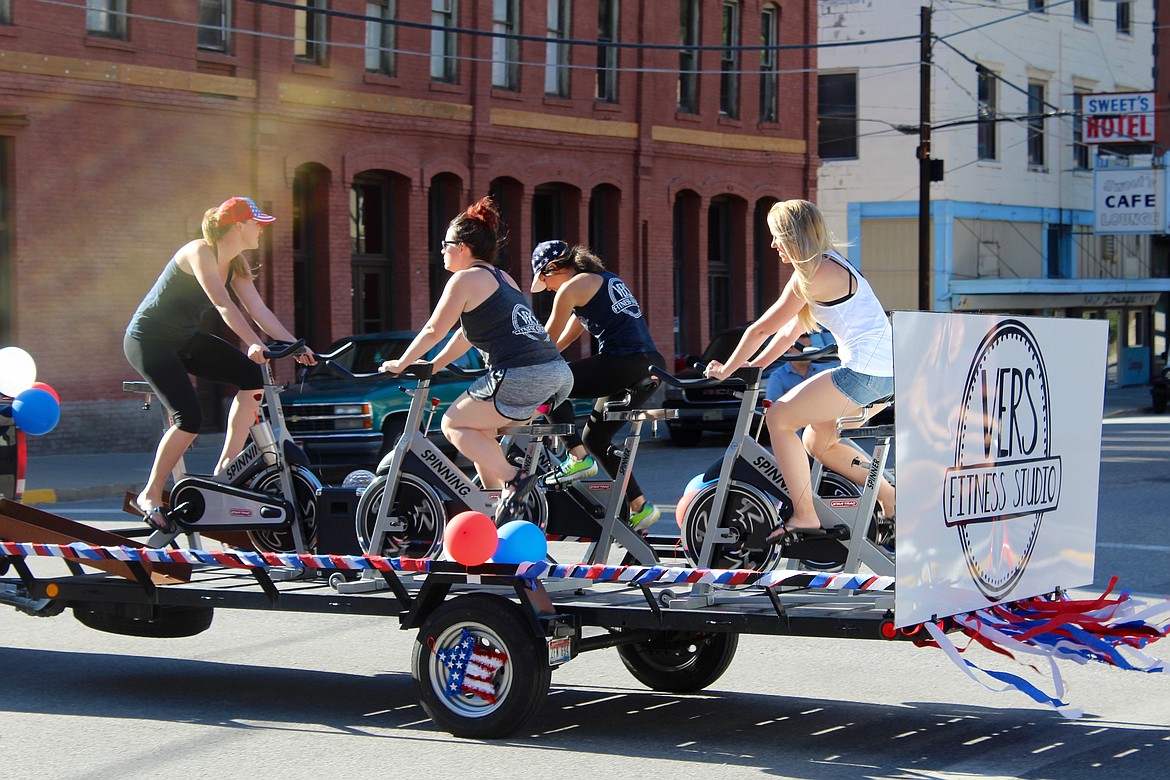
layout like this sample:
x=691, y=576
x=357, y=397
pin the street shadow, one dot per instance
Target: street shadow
x=787, y=736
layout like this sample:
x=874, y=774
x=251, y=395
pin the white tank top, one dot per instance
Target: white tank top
x=860, y=326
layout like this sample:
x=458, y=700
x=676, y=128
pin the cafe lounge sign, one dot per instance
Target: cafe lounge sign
x=1129, y=200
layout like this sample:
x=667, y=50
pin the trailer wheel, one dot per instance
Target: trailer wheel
x=487, y=625
x=164, y=622
x=680, y=661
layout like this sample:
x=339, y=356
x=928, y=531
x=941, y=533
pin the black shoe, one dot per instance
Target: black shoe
x=513, y=503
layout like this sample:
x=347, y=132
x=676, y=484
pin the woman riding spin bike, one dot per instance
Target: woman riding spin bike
x=526, y=369
x=590, y=298
x=163, y=345
x=824, y=289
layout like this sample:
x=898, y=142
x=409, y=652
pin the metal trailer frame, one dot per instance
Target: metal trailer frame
x=668, y=640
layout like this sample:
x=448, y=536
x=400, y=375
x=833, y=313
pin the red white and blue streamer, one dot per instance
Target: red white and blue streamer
x=1113, y=631
x=638, y=575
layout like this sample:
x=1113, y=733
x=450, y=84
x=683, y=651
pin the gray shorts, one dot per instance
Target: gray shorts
x=516, y=392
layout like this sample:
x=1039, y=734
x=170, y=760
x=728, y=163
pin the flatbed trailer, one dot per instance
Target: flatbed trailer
x=675, y=628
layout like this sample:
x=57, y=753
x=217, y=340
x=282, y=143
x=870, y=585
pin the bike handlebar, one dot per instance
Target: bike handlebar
x=743, y=377
x=282, y=349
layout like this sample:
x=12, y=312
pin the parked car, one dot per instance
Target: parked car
x=713, y=408
x=12, y=455
x=344, y=424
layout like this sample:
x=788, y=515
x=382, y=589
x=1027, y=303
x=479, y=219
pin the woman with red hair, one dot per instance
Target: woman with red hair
x=525, y=368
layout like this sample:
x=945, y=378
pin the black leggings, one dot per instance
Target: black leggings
x=602, y=376
x=166, y=367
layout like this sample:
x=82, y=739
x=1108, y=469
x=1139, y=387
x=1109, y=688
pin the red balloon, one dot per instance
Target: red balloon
x=470, y=538
x=684, y=503
x=47, y=388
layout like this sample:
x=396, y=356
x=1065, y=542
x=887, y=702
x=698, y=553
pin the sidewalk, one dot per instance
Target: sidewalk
x=84, y=476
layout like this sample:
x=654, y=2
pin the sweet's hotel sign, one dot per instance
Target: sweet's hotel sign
x=1118, y=118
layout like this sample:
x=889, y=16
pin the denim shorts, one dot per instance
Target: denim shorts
x=516, y=392
x=862, y=389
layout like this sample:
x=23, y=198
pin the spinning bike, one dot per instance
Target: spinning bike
x=746, y=493
x=267, y=491
x=595, y=510
x=417, y=488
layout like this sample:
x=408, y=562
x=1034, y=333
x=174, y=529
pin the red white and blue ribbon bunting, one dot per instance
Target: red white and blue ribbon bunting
x=638, y=575
x=1113, y=631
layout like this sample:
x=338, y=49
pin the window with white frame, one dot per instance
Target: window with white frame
x=987, y=143
x=444, y=16
x=1082, y=11
x=769, y=37
x=837, y=116
x=556, y=63
x=729, y=61
x=380, y=36
x=1124, y=17
x=607, y=56
x=310, y=29
x=688, y=57
x=215, y=18
x=106, y=18
x=505, y=51
x=1036, y=139
x=1082, y=159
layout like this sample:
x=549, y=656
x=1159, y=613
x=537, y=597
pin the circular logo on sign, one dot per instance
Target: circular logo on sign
x=1005, y=477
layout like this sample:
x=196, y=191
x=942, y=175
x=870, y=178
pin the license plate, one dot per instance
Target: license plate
x=713, y=414
x=559, y=649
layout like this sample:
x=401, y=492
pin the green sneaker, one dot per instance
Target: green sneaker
x=573, y=470
x=644, y=518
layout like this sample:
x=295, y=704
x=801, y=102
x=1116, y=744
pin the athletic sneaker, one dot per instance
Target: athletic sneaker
x=572, y=470
x=644, y=518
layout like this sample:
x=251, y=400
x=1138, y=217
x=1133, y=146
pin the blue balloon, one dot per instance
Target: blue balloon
x=520, y=542
x=697, y=482
x=36, y=411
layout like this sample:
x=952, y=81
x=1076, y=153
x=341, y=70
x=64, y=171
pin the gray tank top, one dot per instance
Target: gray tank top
x=505, y=330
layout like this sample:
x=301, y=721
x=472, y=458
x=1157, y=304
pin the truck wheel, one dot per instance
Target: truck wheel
x=163, y=622
x=417, y=506
x=494, y=703
x=679, y=661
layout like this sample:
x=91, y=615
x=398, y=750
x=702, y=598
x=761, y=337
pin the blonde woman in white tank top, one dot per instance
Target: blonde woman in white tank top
x=823, y=291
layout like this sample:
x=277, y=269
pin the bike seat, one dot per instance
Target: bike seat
x=640, y=389
x=538, y=429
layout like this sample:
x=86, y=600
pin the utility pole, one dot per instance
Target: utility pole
x=924, y=163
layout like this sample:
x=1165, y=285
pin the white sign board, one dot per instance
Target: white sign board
x=1129, y=200
x=1118, y=118
x=998, y=458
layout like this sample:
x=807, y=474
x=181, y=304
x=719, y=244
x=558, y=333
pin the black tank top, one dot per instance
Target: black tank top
x=505, y=330
x=171, y=311
x=614, y=318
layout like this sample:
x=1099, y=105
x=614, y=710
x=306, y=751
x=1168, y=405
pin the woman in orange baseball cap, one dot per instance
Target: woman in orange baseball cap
x=163, y=344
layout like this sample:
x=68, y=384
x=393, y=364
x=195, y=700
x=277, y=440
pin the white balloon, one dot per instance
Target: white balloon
x=18, y=371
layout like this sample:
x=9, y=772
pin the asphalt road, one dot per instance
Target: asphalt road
x=325, y=695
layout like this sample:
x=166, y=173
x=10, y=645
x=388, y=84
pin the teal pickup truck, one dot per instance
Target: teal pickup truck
x=344, y=425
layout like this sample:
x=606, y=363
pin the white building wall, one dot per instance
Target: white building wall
x=1019, y=47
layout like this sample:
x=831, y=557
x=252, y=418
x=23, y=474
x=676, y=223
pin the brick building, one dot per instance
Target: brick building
x=637, y=127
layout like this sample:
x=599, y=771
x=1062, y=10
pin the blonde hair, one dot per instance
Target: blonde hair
x=801, y=233
x=213, y=232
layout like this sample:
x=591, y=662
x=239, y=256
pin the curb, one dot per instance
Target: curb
x=55, y=496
